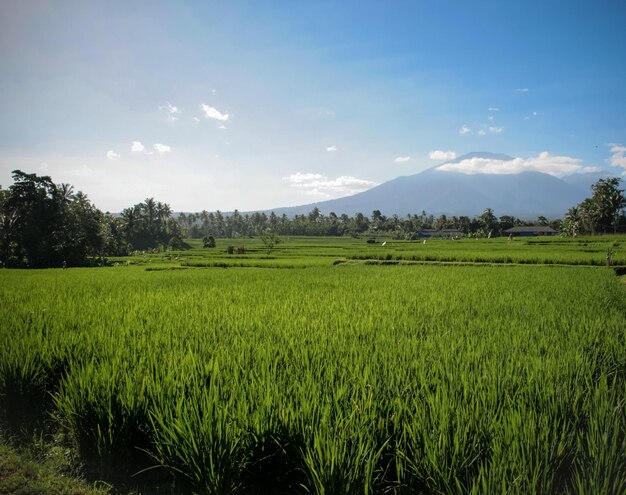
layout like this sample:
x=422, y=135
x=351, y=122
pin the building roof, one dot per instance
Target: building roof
x=535, y=229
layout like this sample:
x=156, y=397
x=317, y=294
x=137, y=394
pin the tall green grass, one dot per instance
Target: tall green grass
x=334, y=379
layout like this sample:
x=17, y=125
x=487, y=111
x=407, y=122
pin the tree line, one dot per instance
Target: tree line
x=315, y=223
x=43, y=224
x=603, y=212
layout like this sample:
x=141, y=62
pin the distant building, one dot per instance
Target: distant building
x=533, y=230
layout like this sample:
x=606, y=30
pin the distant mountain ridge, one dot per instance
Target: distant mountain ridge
x=525, y=195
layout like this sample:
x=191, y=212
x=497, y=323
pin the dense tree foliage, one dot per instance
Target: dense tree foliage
x=150, y=224
x=217, y=224
x=603, y=212
x=43, y=224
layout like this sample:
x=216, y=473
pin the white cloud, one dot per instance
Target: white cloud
x=490, y=118
x=137, y=147
x=321, y=185
x=112, y=155
x=213, y=113
x=196, y=119
x=482, y=132
x=169, y=108
x=442, y=155
x=44, y=166
x=493, y=109
x=222, y=127
x=544, y=162
x=171, y=111
x=464, y=130
x=401, y=159
x=331, y=148
x=162, y=148
x=522, y=90
x=618, y=157
x=495, y=130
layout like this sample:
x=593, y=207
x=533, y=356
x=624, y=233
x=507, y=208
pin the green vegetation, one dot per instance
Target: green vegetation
x=602, y=212
x=300, y=252
x=43, y=224
x=507, y=376
x=23, y=474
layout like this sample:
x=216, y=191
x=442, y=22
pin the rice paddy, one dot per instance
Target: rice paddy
x=492, y=366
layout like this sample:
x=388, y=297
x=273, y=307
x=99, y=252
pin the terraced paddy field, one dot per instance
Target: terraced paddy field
x=329, y=366
x=299, y=252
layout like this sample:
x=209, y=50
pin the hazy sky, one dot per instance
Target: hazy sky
x=254, y=105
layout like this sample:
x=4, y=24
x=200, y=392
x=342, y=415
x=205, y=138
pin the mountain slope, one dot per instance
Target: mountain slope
x=524, y=195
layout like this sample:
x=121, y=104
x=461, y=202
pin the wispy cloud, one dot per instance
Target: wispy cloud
x=493, y=109
x=213, y=113
x=323, y=186
x=171, y=111
x=522, y=90
x=544, y=162
x=401, y=159
x=162, y=148
x=112, y=155
x=442, y=155
x=464, y=130
x=137, y=147
x=489, y=129
x=331, y=148
x=618, y=156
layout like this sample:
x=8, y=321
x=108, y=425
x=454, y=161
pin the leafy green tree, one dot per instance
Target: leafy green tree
x=208, y=241
x=30, y=213
x=80, y=235
x=608, y=202
x=44, y=225
x=150, y=225
x=488, y=222
x=113, y=236
x=507, y=222
x=601, y=212
x=441, y=222
x=269, y=240
x=571, y=223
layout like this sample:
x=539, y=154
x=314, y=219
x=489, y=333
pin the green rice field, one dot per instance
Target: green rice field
x=330, y=366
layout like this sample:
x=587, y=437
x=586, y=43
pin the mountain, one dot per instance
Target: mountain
x=586, y=180
x=525, y=195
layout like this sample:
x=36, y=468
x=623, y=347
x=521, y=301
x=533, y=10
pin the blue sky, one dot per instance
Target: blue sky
x=254, y=105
